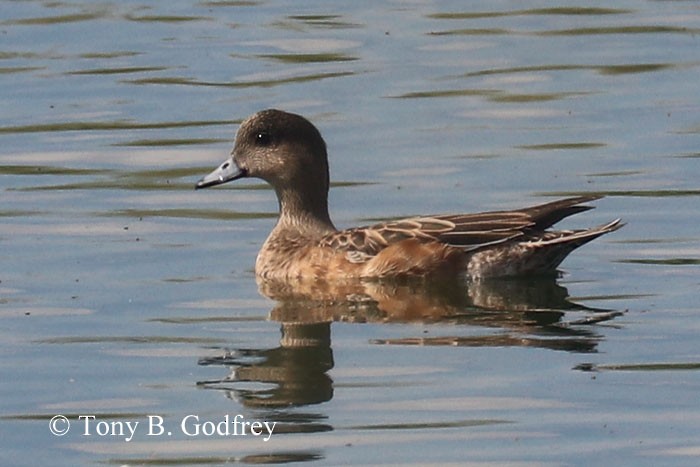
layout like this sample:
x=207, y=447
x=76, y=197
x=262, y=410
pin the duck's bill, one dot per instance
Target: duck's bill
x=226, y=172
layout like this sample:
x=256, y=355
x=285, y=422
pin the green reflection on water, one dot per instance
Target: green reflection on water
x=664, y=262
x=447, y=93
x=71, y=18
x=115, y=71
x=10, y=55
x=169, y=142
x=690, y=131
x=111, y=185
x=616, y=173
x=429, y=425
x=535, y=97
x=473, y=32
x=166, y=18
x=230, y=3
x=310, y=58
x=46, y=170
x=564, y=11
x=584, y=31
x=491, y=94
x=218, y=214
x=634, y=68
x=640, y=366
x=114, y=54
x=650, y=29
x=622, y=69
x=109, y=125
x=637, y=193
x=556, y=146
x=241, y=84
x=320, y=21
x=128, y=340
x=314, y=17
x=138, y=180
x=209, y=319
x=20, y=213
x=19, y=69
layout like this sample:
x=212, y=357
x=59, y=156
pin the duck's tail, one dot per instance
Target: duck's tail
x=554, y=246
x=538, y=255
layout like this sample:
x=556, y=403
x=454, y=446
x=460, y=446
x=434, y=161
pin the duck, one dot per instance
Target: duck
x=288, y=152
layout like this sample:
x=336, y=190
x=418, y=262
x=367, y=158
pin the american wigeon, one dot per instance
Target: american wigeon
x=288, y=152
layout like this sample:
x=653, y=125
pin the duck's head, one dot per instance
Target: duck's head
x=284, y=149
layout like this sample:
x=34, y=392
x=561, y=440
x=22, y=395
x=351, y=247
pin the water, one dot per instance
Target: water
x=125, y=294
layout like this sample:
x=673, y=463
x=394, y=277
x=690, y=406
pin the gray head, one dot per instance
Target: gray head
x=288, y=152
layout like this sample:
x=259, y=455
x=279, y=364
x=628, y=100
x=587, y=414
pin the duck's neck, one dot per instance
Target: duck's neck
x=305, y=212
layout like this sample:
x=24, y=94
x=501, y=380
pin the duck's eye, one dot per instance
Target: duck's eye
x=263, y=138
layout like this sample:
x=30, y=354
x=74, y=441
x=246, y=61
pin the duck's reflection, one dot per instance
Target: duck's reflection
x=527, y=313
x=295, y=373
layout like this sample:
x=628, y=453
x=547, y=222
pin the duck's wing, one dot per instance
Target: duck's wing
x=466, y=231
x=486, y=228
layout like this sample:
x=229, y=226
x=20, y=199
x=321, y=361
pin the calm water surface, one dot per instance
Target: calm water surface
x=124, y=294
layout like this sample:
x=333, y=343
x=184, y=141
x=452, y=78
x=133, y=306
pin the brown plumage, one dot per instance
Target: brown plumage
x=288, y=152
